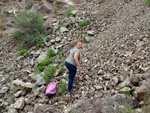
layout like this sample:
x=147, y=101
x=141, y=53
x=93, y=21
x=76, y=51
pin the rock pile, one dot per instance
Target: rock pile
x=115, y=60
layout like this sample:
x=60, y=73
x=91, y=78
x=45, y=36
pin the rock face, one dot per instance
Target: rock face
x=114, y=56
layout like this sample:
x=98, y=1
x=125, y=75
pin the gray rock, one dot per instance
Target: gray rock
x=115, y=79
x=91, y=33
x=58, y=39
x=40, y=81
x=11, y=109
x=19, y=104
x=141, y=91
x=34, y=76
x=63, y=29
x=19, y=82
x=17, y=94
x=125, y=83
x=40, y=108
x=4, y=90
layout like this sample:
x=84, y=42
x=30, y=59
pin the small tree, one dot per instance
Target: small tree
x=30, y=29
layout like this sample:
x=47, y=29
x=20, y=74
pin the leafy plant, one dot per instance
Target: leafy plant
x=146, y=106
x=147, y=2
x=69, y=13
x=83, y=23
x=22, y=52
x=61, y=88
x=67, y=77
x=30, y=29
x=127, y=91
x=60, y=53
x=61, y=22
x=125, y=109
x=45, y=61
x=49, y=74
x=14, y=90
x=23, y=88
x=51, y=53
x=39, y=68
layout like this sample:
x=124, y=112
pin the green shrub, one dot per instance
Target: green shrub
x=30, y=29
x=148, y=2
x=23, y=88
x=16, y=34
x=61, y=71
x=45, y=61
x=61, y=22
x=49, y=74
x=83, y=23
x=61, y=88
x=60, y=53
x=67, y=77
x=14, y=90
x=69, y=13
x=125, y=109
x=22, y=52
x=51, y=53
x=127, y=91
x=39, y=68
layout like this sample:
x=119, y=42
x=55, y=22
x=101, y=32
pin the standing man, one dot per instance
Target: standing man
x=72, y=63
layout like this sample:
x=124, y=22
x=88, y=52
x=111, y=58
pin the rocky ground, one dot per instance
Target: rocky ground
x=115, y=57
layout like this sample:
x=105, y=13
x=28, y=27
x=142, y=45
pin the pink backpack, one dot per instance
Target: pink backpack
x=51, y=88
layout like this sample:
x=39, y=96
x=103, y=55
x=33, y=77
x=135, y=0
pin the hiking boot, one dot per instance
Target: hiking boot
x=70, y=92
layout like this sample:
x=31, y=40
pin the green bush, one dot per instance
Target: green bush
x=60, y=53
x=51, y=53
x=22, y=52
x=61, y=88
x=30, y=29
x=148, y=2
x=83, y=23
x=67, y=77
x=69, y=13
x=49, y=74
x=23, y=88
x=61, y=22
x=45, y=61
x=14, y=90
x=39, y=68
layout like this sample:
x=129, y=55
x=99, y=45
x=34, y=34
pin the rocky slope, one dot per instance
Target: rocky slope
x=115, y=57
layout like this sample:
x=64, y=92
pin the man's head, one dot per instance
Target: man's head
x=78, y=44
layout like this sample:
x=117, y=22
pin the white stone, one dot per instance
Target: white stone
x=19, y=104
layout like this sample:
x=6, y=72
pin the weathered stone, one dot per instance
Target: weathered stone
x=91, y=33
x=39, y=108
x=42, y=56
x=141, y=91
x=134, y=79
x=4, y=90
x=17, y=94
x=115, y=79
x=11, y=109
x=19, y=82
x=125, y=83
x=34, y=76
x=98, y=87
x=63, y=29
x=19, y=104
x=58, y=39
